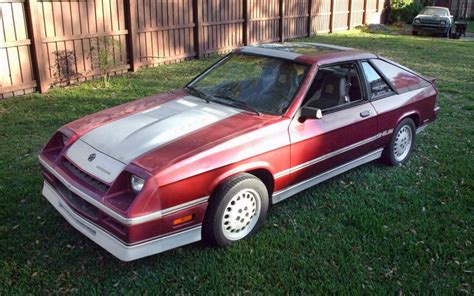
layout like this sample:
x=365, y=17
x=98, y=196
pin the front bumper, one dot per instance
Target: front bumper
x=111, y=244
x=430, y=28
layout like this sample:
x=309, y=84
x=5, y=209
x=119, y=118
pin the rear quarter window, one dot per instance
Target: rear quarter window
x=402, y=80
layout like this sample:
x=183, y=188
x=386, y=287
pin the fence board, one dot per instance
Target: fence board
x=224, y=22
x=263, y=21
x=357, y=13
x=321, y=15
x=296, y=18
x=341, y=12
x=16, y=74
x=372, y=13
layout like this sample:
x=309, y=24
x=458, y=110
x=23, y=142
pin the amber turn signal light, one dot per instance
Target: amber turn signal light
x=183, y=219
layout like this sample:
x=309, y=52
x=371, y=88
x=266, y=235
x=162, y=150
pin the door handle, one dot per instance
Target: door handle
x=365, y=113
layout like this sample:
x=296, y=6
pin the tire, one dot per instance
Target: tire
x=400, y=147
x=237, y=209
x=414, y=33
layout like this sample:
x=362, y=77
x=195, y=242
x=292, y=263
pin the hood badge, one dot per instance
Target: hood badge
x=91, y=157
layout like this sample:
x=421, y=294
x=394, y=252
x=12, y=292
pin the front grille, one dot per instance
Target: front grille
x=429, y=21
x=102, y=187
x=77, y=202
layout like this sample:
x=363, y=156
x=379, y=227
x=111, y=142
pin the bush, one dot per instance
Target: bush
x=403, y=11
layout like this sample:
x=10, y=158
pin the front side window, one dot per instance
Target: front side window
x=263, y=84
x=334, y=86
x=377, y=86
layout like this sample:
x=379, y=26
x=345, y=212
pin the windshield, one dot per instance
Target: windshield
x=254, y=83
x=434, y=11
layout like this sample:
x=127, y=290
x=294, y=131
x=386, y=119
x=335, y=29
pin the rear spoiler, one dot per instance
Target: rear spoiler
x=431, y=80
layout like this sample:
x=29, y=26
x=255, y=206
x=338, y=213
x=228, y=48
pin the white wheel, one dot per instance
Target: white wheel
x=241, y=214
x=399, y=148
x=402, y=143
x=237, y=209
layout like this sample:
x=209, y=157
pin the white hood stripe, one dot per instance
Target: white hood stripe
x=119, y=142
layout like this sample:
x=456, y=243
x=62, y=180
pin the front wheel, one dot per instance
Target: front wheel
x=446, y=34
x=414, y=33
x=399, y=149
x=237, y=209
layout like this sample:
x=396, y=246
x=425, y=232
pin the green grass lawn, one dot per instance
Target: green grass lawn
x=375, y=229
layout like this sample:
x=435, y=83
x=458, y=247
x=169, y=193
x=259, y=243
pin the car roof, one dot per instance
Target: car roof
x=307, y=52
x=440, y=7
x=437, y=7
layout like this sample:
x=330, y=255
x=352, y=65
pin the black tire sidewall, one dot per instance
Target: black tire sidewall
x=390, y=155
x=212, y=229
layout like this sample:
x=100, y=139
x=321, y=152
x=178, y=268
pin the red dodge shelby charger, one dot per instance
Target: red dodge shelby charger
x=262, y=124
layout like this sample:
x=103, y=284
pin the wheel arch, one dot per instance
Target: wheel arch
x=261, y=171
x=413, y=115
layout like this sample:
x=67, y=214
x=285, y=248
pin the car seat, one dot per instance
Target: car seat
x=333, y=92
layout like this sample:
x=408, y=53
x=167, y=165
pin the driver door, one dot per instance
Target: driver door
x=345, y=131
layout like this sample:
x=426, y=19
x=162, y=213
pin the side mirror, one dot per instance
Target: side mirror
x=310, y=113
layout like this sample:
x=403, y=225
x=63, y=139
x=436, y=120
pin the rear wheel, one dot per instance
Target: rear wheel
x=237, y=209
x=399, y=148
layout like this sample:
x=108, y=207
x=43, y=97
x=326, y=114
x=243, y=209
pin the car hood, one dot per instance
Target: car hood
x=127, y=138
x=117, y=143
x=432, y=17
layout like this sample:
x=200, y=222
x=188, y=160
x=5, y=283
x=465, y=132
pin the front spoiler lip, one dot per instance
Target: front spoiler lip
x=113, y=245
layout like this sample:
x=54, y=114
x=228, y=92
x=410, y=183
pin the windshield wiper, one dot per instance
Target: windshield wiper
x=199, y=93
x=240, y=104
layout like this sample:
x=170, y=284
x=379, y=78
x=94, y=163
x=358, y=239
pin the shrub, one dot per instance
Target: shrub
x=403, y=10
x=103, y=55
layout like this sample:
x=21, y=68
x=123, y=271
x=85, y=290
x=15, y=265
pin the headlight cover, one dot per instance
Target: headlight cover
x=443, y=22
x=136, y=183
x=417, y=21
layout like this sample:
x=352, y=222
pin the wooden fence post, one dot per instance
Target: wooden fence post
x=282, y=20
x=349, y=16
x=310, y=17
x=34, y=31
x=245, y=36
x=331, y=19
x=364, y=15
x=132, y=36
x=197, y=14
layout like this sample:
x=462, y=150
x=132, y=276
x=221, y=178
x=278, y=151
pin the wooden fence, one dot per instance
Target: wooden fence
x=48, y=42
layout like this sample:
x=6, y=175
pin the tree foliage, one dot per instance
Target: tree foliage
x=403, y=10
